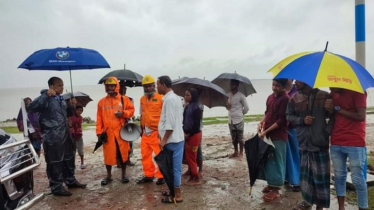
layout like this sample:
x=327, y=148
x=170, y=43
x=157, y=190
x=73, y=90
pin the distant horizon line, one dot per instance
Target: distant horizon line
x=67, y=86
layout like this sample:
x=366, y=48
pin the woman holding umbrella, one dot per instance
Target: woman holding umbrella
x=191, y=126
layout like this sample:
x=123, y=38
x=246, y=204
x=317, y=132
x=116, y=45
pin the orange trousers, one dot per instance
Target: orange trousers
x=148, y=145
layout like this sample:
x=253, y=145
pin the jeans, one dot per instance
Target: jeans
x=177, y=149
x=357, y=158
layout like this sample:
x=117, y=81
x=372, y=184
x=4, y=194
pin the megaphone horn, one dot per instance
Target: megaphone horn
x=130, y=132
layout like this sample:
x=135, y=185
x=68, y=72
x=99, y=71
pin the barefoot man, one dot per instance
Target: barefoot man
x=237, y=107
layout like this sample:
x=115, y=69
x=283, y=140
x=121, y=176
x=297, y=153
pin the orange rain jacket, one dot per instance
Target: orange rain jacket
x=106, y=119
x=151, y=110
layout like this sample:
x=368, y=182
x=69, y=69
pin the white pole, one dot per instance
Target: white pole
x=24, y=119
x=360, y=44
x=360, y=32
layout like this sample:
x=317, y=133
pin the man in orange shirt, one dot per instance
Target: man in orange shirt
x=150, y=111
x=112, y=112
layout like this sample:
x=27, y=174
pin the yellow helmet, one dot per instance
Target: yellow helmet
x=148, y=79
x=110, y=81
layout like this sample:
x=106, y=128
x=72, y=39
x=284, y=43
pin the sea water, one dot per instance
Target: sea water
x=10, y=99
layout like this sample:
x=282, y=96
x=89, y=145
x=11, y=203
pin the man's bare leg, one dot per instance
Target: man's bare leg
x=108, y=171
x=200, y=165
x=123, y=169
x=341, y=200
x=178, y=194
x=241, y=146
x=235, y=154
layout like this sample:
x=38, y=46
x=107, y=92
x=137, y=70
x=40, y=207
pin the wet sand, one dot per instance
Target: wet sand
x=225, y=181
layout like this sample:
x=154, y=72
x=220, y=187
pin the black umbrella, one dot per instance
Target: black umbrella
x=179, y=79
x=103, y=138
x=245, y=85
x=130, y=78
x=257, y=152
x=164, y=159
x=82, y=98
x=210, y=94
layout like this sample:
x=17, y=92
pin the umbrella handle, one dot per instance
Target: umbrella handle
x=250, y=191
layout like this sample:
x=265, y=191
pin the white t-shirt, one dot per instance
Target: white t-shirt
x=171, y=118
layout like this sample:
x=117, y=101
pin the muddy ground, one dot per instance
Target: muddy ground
x=225, y=182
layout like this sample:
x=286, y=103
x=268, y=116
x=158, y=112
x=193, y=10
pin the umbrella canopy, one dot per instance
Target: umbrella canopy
x=82, y=98
x=103, y=138
x=164, y=159
x=130, y=78
x=65, y=59
x=245, y=85
x=179, y=79
x=97, y=146
x=210, y=94
x=257, y=152
x=324, y=69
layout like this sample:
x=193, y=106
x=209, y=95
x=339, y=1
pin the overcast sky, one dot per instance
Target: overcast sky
x=176, y=37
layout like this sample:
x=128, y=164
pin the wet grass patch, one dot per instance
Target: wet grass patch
x=224, y=119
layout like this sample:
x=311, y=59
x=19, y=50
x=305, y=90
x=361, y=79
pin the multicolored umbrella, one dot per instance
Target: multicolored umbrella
x=324, y=69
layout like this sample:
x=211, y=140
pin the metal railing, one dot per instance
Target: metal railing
x=22, y=157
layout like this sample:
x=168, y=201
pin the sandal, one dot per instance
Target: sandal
x=170, y=200
x=125, y=180
x=165, y=193
x=302, y=206
x=271, y=196
x=144, y=179
x=160, y=181
x=106, y=181
x=296, y=188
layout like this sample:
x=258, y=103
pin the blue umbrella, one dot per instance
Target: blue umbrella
x=65, y=59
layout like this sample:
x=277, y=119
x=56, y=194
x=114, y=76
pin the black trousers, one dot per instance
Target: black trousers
x=60, y=158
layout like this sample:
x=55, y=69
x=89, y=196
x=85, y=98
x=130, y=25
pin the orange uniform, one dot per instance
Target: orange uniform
x=150, y=117
x=106, y=120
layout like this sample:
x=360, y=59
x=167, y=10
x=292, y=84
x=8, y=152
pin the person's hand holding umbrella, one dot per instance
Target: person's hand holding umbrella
x=101, y=139
x=259, y=127
x=262, y=134
x=308, y=120
x=73, y=101
x=162, y=144
x=165, y=139
x=329, y=105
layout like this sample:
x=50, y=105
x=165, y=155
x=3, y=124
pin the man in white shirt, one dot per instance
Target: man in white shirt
x=171, y=132
x=237, y=107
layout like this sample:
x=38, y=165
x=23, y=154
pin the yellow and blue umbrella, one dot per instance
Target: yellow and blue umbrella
x=324, y=69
